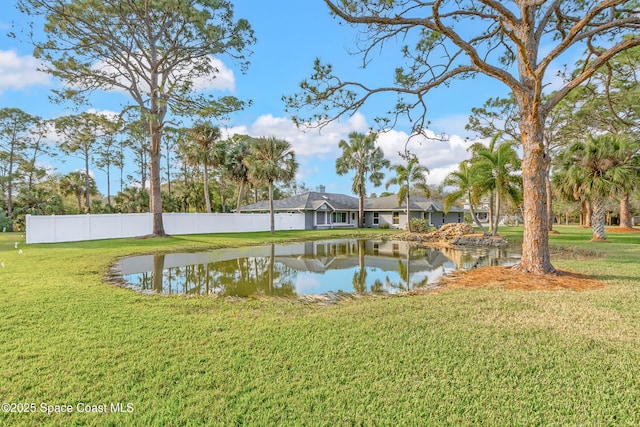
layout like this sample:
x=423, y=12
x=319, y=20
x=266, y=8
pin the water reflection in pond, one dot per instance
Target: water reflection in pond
x=304, y=268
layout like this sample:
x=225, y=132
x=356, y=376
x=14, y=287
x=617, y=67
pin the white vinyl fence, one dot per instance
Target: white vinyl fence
x=74, y=228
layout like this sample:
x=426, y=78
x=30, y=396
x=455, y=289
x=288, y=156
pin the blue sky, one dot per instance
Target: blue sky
x=290, y=35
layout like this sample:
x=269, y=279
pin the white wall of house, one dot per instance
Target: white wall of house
x=74, y=228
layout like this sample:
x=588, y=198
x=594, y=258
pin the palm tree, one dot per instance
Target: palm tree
x=272, y=160
x=81, y=134
x=596, y=169
x=493, y=168
x=361, y=155
x=132, y=200
x=206, y=151
x=75, y=183
x=463, y=179
x=239, y=151
x=411, y=175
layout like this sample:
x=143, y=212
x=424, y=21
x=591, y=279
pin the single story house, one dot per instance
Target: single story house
x=332, y=210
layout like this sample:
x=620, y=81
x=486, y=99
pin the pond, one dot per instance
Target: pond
x=309, y=268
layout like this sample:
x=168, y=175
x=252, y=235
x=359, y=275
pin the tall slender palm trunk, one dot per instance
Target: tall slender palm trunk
x=271, y=220
x=207, y=199
x=598, y=218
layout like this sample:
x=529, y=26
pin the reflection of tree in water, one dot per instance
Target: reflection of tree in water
x=151, y=280
x=377, y=287
x=405, y=283
x=359, y=280
x=249, y=276
x=404, y=272
x=238, y=277
x=254, y=276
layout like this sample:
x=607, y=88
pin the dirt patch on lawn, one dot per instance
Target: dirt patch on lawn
x=622, y=230
x=511, y=279
x=571, y=253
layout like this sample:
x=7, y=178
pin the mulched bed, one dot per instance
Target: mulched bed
x=511, y=279
x=622, y=230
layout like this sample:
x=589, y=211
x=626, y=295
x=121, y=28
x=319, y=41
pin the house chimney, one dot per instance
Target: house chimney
x=320, y=188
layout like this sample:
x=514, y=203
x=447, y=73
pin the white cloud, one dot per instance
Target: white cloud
x=440, y=156
x=451, y=125
x=19, y=72
x=110, y=114
x=323, y=142
x=224, y=79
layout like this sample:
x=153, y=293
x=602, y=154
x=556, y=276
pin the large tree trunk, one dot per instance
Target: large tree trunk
x=207, y=200
x=271, y=220
x=597, y=218
x=361, y=211
x=240, y=193
x=87, y=195
x=10, y=184
x=535, y=243
x=155, y=198
x=108, y=185
x=157, y=113
x=625, y=212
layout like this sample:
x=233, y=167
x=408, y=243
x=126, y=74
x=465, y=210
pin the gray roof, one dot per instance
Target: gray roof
x=417, y=203
x=313, y=200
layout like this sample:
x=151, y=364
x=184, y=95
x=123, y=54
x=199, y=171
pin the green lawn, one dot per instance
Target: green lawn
x=458, y=357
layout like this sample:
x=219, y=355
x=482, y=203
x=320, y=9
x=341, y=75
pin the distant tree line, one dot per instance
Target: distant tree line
x=202, y=172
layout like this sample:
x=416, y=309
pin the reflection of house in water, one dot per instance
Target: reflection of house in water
x=343, y=254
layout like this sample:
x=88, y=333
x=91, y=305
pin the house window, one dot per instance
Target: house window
x=320, y=218
x=376, y=218
x=353, y=216
x=340, y=217
x=396, y=218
